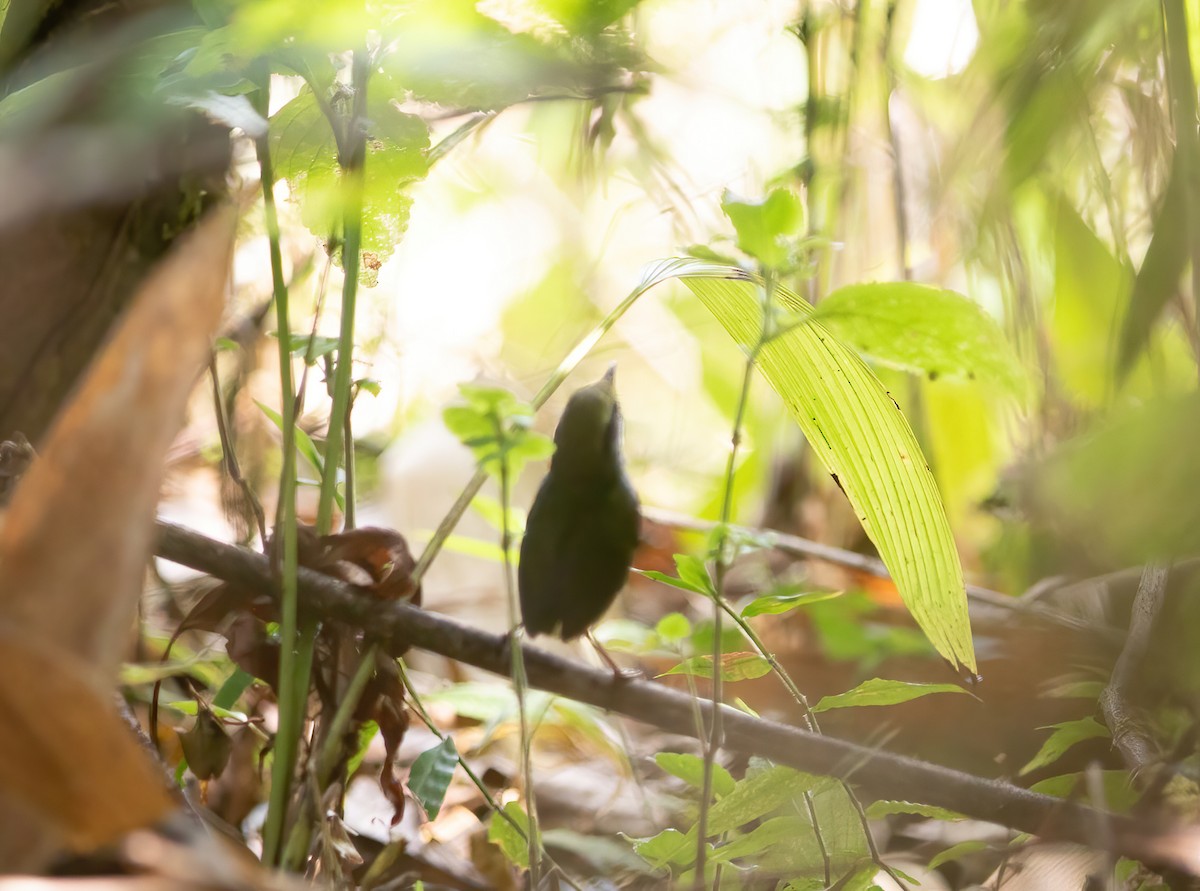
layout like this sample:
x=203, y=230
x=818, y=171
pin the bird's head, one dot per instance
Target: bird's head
x=588, y=438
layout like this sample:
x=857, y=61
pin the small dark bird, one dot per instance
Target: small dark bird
x=583, y=526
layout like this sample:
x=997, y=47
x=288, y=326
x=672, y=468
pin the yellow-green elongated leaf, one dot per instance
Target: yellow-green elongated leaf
x=859, y=434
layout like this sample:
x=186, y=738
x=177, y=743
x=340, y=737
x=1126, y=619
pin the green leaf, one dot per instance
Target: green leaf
x=494, y=425
x=734, y=667
x=782, y=602
x=1065, y=735
x=694, y=573
x=230, y=111
x=673, y=627
x=668, y=847
x=690, y=769
x=856, y=429
x=929, y=331
x=587, y=17
x=758, y=795
x=655, y=575
x=453, y=55
x=305, y=446
x=306, y=154
x=877, y=810
x=311, y=347
x=501, y=832
x=764, y=228
x=878, y=691
x=769, y=834
x=1158, y=279
x=235, y=685
x=430, y=776
x=366, y=733
x=958, y=851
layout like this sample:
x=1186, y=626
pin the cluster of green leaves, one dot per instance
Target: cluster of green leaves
x=497, y=428
x=761, y=824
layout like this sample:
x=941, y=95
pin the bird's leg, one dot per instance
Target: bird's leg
x=619, y=673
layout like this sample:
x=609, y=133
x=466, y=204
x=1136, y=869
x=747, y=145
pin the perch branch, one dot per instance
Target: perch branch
x=878, y=774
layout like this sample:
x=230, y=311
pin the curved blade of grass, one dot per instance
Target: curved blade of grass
x=860, y=435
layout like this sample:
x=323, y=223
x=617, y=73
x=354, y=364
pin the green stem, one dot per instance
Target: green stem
x=520, y=684
x=284, y=556
x=352, y=194
x=327, y=759
x=716, y=729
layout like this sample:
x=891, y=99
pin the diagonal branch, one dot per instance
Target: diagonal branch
x=876, y=774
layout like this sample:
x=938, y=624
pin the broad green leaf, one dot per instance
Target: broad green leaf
x=1158, y=278
x=430, y=776
x=690, y=769
x=856, y=429
x=694, y=573
x=880, y=809
x=501, y=832
x=782, y=602
x=734, y=667
x=758, y=795
x=769, y=834
x=926, y=330
x=586, y=17
x=668, y=847
x=1091, y=294
x=878, y=691
x=495, y=425
x=306, y=154
x=765, y=228
x=453, y=55
x=1065, y=735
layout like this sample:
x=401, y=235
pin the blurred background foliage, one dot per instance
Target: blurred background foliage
x=529, y=157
